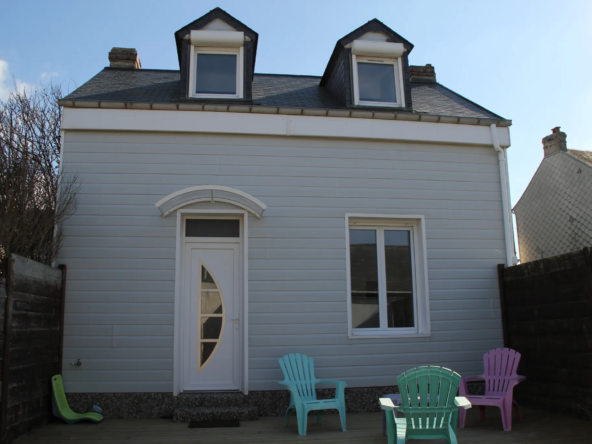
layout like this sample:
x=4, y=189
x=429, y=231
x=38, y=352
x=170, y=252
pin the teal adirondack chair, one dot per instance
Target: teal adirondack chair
x=299, y=378
x=429, y=403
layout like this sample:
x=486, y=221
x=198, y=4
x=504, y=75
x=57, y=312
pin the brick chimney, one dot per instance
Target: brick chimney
x=425, y=74
x=557, y=141
x=124, y=58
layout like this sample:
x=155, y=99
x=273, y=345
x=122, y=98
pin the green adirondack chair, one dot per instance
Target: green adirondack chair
x=429, y=403
x=60, y=406
x=299, y=378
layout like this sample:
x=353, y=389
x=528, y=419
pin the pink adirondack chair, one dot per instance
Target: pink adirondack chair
x=500, y=366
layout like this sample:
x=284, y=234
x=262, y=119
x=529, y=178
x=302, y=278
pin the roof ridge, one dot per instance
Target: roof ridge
x=140, y=70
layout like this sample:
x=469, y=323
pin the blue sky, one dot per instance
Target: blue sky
x=529, y=61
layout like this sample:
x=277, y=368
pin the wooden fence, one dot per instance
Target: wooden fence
x=32, y=309
x=547, y=317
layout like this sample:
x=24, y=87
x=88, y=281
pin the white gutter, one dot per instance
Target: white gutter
x=505, y=201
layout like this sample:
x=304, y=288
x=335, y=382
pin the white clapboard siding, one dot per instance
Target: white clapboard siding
x=119, y=330
x=71, y=353
x=120, y=252
x=273, y=186
x=125, y=364
x=130, y=384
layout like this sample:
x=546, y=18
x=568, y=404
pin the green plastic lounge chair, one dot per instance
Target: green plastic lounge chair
x=299, y=378
x=60, y=406
x=429, y=403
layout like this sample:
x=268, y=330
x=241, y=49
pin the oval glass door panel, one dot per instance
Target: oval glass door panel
x=211, y=318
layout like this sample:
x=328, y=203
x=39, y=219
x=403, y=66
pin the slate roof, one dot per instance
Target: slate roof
x=584, y=156
x=554, y=215
x=292, y=91
x=162, y=86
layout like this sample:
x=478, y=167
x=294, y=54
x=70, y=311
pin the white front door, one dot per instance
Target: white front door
x=211, y=313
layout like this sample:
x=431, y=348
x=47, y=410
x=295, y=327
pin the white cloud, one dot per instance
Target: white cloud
x=48, y=75
x=3, y=80
x=6, y=81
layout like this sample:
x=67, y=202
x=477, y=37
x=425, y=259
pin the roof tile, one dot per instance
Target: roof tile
x=584, y=156
x=269, y=90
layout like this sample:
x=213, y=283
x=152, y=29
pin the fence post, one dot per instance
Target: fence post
x=6, y=354
x=64, y=269
x=501, y=282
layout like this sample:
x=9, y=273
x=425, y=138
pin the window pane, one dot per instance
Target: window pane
x=376, y=82
x=216, y=74
x=207, y=281
x=399, y=279
x=211, y=302
x=212, y=228
x=206, y=350
x=211, y=327
x=364, y=279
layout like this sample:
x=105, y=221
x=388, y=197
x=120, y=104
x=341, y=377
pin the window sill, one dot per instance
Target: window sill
x=190, y=99
x=380, y=104
x=391, y=336
x=216, y=97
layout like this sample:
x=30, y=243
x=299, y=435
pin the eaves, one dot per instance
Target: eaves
x=319, y=112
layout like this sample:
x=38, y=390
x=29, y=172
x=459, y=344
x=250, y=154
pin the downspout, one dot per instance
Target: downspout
x=511, y=216
x=504, y=188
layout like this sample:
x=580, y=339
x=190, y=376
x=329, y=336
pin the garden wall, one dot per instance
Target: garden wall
x=547, y=317
x=31, y=306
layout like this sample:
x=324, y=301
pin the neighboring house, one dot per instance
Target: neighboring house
x=227, y=218
x=554, y=215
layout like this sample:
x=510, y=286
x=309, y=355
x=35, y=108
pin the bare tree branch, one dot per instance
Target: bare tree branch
x=36, y=197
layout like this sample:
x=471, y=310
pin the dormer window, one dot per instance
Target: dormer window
x=377, y=73
x=216, y=65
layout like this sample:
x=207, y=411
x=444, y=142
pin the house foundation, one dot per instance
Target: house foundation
x=208, y=405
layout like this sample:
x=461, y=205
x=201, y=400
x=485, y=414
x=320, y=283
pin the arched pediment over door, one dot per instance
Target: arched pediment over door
x=210, y=193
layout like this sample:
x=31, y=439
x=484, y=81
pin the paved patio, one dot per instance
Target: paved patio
x=538, y=427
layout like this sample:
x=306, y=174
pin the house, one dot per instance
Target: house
x=227, y=218
x=554, y=215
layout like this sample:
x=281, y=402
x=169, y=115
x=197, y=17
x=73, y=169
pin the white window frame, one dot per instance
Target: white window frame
x=398, y=71
x=195, y=51
x=381, y=222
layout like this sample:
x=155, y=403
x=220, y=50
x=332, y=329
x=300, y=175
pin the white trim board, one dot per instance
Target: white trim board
x=93, y=119
x=210, y=187
x=178, y=331
x=191, y=197
x=56, y=228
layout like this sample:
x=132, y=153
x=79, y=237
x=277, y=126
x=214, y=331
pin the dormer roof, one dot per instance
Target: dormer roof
x=216, y=22
x=214, y=17
x=342, y=71
x=373, y=26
